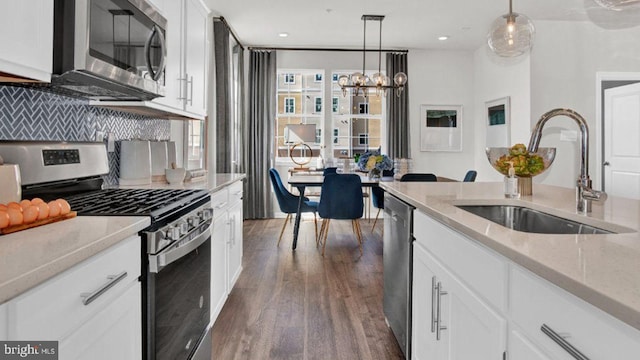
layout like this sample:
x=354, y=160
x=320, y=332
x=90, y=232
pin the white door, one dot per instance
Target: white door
x=621, y=141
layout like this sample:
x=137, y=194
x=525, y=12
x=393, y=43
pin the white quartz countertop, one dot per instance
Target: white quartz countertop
x=30, y=257
x=211, y=183
x=603, y=270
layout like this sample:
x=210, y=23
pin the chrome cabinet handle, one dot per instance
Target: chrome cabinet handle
x=575, y=353
x=190, y=82
x=221, y=205
x=181, y=88
x=88, y=298
x=439, y=326
x=433, y=304
x=606, y=163
x=394, y=217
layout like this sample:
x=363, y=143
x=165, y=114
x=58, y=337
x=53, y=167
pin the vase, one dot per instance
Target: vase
x=525, y=185
x=375, y=174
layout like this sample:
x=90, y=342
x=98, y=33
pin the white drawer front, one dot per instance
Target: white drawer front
x=235, y=192
x=597, y=335
x=481, y=270
x=52, y=310
x=220, y=201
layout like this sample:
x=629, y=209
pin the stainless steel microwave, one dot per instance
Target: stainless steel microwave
x=109, y=49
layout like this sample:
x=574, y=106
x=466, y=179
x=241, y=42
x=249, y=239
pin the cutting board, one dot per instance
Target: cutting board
x=14, y=228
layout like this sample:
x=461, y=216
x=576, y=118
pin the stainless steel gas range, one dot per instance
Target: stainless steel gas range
x=175, y=248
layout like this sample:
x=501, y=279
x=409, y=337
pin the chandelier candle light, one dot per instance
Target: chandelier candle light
x=378, y=81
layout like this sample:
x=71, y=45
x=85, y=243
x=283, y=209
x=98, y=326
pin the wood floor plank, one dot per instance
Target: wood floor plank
x=299, y=305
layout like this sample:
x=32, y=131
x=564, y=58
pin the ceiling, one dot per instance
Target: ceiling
x=409, y=24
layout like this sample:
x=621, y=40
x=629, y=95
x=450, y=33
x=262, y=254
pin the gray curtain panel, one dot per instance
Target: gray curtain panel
x=240, y=112
x=223, y=119
x=398, y=110
x=260, y=134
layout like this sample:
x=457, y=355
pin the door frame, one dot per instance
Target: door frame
x=602, y=77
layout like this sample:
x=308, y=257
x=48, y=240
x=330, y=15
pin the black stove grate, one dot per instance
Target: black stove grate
x=157, y=203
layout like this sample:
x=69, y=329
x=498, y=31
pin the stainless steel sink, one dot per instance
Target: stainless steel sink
x=532, y=221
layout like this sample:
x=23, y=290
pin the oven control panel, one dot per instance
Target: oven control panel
x=60, y=157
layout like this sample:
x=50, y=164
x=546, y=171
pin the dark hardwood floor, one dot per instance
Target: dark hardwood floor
x=299, y=305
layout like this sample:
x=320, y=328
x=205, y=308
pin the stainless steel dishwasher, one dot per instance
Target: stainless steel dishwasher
x=397, y=262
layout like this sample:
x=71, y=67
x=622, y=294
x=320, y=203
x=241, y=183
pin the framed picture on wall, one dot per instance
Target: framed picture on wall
x=498, y=113
x=441, y=127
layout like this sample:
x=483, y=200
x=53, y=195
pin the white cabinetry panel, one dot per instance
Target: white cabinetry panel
x=27, y=38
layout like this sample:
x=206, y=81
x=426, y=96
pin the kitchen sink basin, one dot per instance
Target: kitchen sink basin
x=532, y=221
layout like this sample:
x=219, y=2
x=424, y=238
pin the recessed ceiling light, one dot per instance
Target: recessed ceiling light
x=443, y=38
x=283, y=34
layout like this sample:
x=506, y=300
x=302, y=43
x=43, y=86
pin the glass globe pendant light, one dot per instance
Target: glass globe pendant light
x=511, y=35
x=617, y=5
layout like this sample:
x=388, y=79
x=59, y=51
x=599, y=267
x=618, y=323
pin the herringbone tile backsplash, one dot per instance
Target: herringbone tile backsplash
x=28, y=114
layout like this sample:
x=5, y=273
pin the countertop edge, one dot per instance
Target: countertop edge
x=40, y=274
x=602, y=301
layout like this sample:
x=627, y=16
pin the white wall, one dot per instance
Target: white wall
x=496, y=78
x=564, y=63
x=442, y=78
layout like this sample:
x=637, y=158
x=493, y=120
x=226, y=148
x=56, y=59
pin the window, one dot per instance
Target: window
x=195, y=146
x=289, y=105
x=354, y=125
x=300, y=100
x=358, y=121
x=289, y=79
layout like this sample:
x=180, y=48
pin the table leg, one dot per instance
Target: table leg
x=296, y=227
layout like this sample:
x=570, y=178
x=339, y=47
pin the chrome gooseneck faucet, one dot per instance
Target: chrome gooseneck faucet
x=584, y=192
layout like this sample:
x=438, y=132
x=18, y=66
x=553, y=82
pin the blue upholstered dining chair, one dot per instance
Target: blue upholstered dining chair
x=470, y=176
x=340, y=199
x=329, y=170
x=289, y=203
x=418, y=177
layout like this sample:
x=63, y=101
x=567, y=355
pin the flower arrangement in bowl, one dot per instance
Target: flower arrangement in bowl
x=526, y=164
x=374, y=162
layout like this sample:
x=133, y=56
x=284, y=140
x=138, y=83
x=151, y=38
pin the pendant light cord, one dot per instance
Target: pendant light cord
x=364, y=46
x=380, y=48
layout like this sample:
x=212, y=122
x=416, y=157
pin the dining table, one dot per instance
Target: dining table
x=301, y=182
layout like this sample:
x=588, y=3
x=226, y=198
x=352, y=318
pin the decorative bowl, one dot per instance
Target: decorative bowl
x=525, y=164
x=175, y=176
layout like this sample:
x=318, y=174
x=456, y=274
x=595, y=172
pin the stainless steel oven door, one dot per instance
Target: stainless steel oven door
x=177, y=300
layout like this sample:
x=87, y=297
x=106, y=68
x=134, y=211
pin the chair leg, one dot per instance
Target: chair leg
x=283, y=227
x=375, y=221
x=326, y=234
x=321, y=234
x=315, y=224
x=358, y=234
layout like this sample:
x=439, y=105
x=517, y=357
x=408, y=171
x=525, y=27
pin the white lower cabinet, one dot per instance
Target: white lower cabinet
x=219, y=237
x=226, y=257
x=450, y=321
x=113, y=333
x=92, y=309
x=544, y=321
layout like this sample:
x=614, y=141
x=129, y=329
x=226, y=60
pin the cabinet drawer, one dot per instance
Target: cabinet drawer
x=235, y=192
x=597, y=335
x=220, y=201
x=481, y=270
x=52, y=310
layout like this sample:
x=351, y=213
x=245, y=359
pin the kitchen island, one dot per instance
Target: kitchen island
x=598, y=272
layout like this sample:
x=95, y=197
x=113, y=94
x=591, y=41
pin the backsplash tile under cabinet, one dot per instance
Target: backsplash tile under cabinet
x=28, y=114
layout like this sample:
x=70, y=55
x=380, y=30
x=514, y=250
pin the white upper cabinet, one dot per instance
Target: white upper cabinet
x=187, y=51
x=27, y=40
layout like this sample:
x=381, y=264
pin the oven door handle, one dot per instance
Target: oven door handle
x=166, y=257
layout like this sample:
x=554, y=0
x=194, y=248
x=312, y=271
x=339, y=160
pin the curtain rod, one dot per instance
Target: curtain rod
x=226, y=24
x=325, y=49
